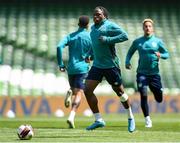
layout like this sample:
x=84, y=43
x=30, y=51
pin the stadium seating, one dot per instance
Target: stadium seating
x=30, y=33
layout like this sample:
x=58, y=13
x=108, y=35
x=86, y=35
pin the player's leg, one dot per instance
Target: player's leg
x=126, y=103
x=142, y=83
x=77, y=86
x=145, y=107
x=113, y=77
x=93, y=79
x=155, y=86
x=93, y=104
x=68, y=97
x=76, y=100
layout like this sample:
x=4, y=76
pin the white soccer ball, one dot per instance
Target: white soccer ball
x=25, y=132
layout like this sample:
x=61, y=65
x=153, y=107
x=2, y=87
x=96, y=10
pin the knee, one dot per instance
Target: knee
x=159, y=100
x=118, y=90
x=120, y=93
x=75, y=103
x=158, y=97
x=144, y=100
x=124, y=97
x=143, y=92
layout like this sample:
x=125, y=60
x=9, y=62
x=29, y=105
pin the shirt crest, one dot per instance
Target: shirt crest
x=154, y=44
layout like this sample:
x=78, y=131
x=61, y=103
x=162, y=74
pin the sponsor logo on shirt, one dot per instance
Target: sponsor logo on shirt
x=140, y=44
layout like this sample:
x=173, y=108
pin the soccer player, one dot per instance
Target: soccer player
x=80, y=50
x=150, y=49
x=104, y=35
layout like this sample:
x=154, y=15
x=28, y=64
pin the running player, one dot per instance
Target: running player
x=105, y=34
x=150, y=49
x=80, y=51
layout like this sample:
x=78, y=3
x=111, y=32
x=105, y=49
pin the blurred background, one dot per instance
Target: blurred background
x=30, y=31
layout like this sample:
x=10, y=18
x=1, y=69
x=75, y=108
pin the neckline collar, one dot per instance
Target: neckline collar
x=149, y=37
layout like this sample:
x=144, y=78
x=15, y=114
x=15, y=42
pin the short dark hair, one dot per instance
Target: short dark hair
x=83, y=21
x=104, y=10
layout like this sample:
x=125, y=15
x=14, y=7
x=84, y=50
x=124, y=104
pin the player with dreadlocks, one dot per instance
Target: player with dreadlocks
x=104, y=35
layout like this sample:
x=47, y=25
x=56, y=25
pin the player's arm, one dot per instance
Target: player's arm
x=60, y=48
x=89, y=56
x=129, y=55
x=115, y=35
x=163, y=52
x=88, y=50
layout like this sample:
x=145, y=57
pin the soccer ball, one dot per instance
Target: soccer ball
x=25, y=132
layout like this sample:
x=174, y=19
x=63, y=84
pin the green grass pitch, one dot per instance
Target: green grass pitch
x=166, y=128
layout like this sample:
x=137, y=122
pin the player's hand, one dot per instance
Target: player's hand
x=87, y=59
x=62, y=69
x=158, y=54
x=128, y=66
x=102, y=39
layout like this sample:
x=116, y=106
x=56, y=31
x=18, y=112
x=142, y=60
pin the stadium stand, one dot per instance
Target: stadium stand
x=30, y=33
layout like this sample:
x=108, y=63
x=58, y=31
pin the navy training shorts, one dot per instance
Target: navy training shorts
x=112, y=75
x=77, y=80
